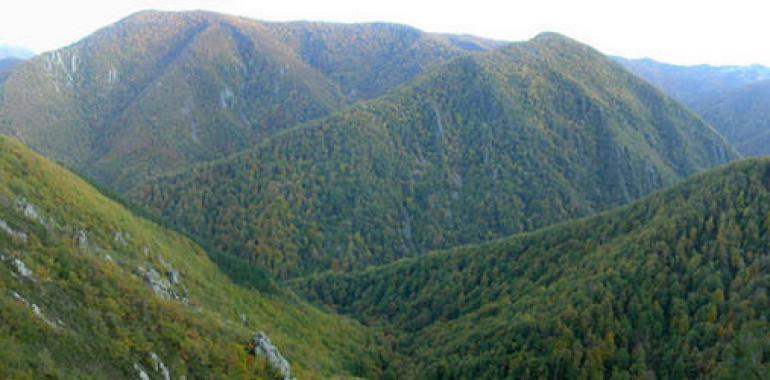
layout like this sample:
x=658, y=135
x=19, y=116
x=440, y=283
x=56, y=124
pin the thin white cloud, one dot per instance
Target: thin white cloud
x=684, y=31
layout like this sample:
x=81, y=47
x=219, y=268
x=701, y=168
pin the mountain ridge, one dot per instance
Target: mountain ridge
x=160, y=90
x=660, y=287
x=731, y=98
x=448, y=158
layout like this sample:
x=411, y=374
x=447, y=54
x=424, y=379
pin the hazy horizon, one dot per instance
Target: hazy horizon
x=652, y=29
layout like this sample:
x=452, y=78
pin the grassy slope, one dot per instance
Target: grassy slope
x=485, y=146
x=672, y=286
x=112, y=319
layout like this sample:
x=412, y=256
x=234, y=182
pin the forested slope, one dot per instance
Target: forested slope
x=673, y=286
x=158, y=91
x=487, y=145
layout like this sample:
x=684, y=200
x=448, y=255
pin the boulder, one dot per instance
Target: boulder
x=264, y=347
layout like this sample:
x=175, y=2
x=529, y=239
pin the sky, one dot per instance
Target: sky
x=730, y=32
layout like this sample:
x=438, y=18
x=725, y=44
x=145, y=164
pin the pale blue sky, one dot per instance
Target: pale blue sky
x=683, y=31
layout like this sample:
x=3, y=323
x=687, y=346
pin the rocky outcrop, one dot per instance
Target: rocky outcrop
x=142, y=373
x=121, y=238
x=82, y=239
x=159, y=366
x=264, y=347
x=159, y=285
x=174, y=277
x=164, y=286
x=36, y=310
x=22, y=269
x=16, y=235
x=29, y=211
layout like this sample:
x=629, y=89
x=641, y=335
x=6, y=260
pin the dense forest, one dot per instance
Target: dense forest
x=309, y=200
x=673, y=286
x=482, y=147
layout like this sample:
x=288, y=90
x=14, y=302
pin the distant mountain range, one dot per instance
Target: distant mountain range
x=11, y=57
x=732, y=98
x=692, y=84
x=743, y=116
x=6, y=67
x=15, y=52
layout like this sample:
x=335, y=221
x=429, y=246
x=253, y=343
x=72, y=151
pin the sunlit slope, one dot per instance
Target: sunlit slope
x=88, y=290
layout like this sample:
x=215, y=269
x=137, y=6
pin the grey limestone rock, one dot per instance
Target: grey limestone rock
x=264, y=347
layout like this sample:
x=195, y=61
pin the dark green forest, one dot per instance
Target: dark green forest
x=673, y=286
x=485, y=146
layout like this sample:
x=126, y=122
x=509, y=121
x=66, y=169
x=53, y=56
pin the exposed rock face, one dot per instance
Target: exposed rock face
x=159, y=285
x=82, y=239
x=264, y=347
x=11, y=232
x=36, y=310
x=29, y=210
x=159, y=366
x=22, y=269
x=121, y=237
x=142, y=374
x=173, y=277
x=163, y=286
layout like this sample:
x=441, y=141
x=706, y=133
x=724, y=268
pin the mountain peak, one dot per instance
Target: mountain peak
x=550, y=36
x=465, y=137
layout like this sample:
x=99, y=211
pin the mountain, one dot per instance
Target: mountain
x=672, y=286
x=484, y=146
x=158, y=91
x=691, y=84
x=14, y=52
x=734, y=99
x=6, y=67
x=743, y=116
x=89, y=290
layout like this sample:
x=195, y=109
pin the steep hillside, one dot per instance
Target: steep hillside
x=487, y=145
x=734, y=99
x=88, y=290
x=158, y=91
x=742, y=116
x=673, y=286
x=692, y=84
